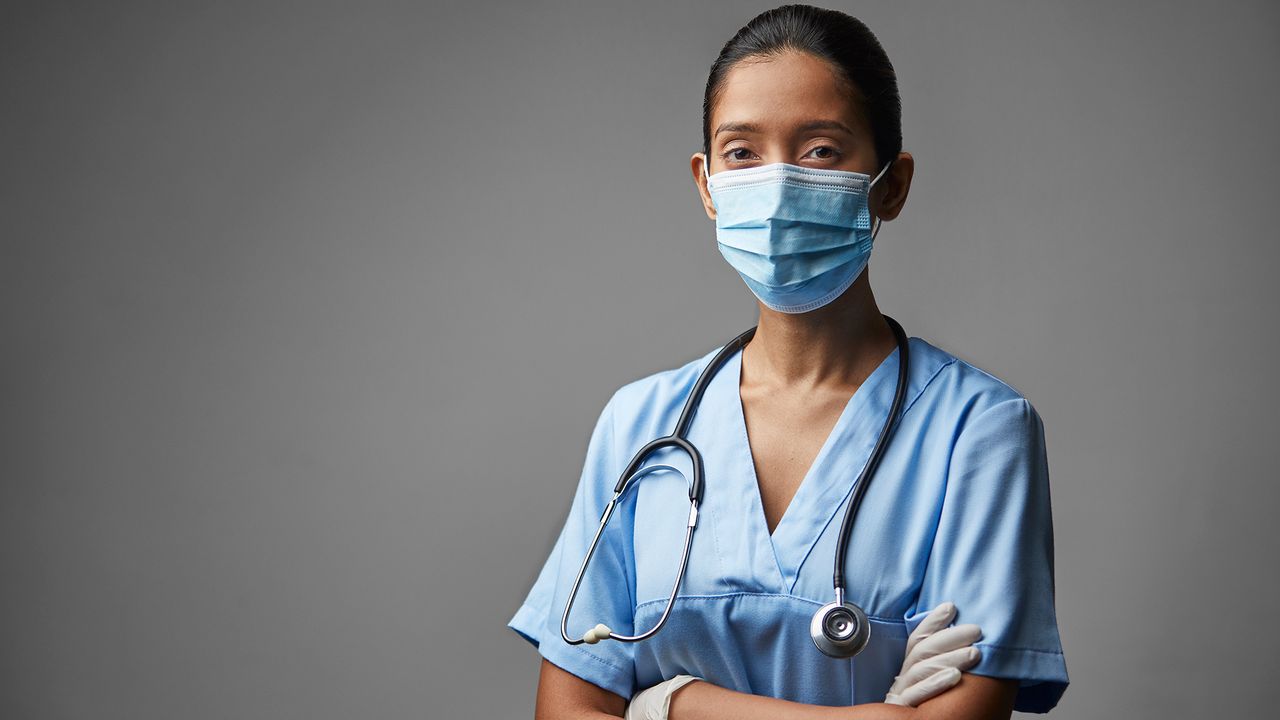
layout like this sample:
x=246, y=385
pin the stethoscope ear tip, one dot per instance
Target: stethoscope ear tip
x=596, y=634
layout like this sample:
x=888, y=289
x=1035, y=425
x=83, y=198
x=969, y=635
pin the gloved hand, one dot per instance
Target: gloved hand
x=653, y=703
x=935, y=656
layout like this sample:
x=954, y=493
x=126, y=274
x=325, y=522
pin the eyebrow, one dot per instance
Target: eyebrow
x=745, y=127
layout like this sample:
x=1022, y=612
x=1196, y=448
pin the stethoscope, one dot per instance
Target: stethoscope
x=839, y=629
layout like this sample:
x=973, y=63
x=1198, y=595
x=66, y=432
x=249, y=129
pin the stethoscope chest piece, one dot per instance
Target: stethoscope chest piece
x=840, y=629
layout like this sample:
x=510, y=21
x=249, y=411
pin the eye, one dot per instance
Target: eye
x=734, y=154
x=825, y=152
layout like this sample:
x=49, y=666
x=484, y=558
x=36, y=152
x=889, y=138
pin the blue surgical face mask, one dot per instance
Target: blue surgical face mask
x=798, y=236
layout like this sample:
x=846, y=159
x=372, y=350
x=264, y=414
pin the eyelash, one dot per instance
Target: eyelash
x=835, y=153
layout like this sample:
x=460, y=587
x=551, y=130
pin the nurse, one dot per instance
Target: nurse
x=801, y=150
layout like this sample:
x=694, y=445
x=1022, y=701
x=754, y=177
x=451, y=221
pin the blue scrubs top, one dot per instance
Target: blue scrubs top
x=958, y=510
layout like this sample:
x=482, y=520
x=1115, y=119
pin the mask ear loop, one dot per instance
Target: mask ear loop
x=875, y=231
x=706, y=161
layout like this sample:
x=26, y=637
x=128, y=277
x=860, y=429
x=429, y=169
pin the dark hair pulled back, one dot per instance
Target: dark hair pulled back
x=840, y=39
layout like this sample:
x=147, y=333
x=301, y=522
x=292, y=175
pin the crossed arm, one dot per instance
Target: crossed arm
x=562, y=694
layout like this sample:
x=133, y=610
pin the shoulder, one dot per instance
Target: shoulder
x=962, y=391
x=653, y=399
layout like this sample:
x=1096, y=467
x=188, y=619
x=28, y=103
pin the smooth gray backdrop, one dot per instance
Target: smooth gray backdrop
x=308, y=310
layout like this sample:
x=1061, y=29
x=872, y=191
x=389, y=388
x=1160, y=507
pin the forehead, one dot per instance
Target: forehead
x=782, y=91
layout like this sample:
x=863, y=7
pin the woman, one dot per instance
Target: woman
x=801, y=148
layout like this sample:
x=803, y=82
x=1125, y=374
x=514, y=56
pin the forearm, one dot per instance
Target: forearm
x=704, y=701
x=576, y=714
x=573, y=711
x=563, y=695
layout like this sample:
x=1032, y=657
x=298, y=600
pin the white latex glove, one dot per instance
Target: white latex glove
x=935, y=656
x=653, y=703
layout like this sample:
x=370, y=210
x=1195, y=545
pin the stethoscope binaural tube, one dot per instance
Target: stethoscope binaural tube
x=839, y=629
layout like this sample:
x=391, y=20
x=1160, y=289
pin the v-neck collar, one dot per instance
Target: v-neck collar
x=831, y=476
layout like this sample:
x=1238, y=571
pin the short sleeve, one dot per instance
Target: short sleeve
x=608, y=587
x=993, y=552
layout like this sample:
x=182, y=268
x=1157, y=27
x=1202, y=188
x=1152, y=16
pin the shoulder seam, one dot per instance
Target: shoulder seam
x=937, y=371
x=997, y=380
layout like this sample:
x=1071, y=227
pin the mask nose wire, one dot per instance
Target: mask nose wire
x=707, y=161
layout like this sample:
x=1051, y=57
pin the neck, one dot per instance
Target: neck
x=837, y=345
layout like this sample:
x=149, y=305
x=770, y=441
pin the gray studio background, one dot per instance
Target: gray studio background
x=308, y=311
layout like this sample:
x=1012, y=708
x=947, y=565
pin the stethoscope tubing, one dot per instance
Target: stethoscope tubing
x=678, y=439
x=868, y=470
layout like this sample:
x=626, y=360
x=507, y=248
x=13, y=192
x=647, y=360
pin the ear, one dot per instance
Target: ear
x=890, y=193
x=698, y=163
